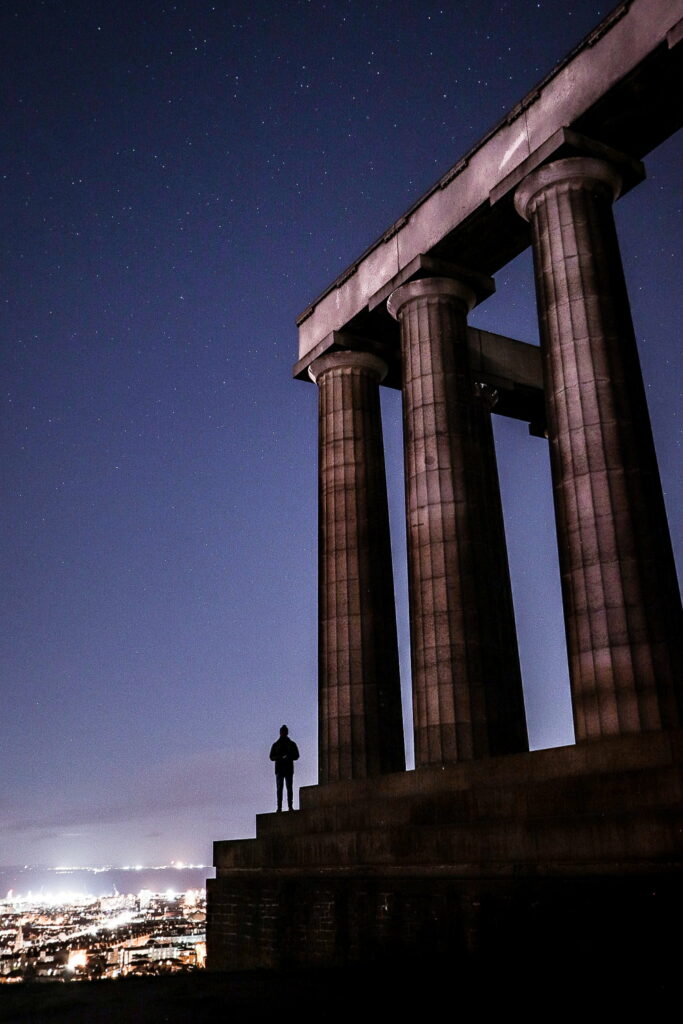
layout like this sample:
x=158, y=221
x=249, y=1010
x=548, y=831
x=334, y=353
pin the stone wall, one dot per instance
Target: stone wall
x=277, y=922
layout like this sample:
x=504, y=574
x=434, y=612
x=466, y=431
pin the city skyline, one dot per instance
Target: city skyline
x=179, y=192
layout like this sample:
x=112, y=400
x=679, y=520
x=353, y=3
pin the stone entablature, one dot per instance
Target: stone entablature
x=609, y=88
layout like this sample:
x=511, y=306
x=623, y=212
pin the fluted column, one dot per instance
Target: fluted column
x=621, y=599
x=360, y=720
x=467, y=695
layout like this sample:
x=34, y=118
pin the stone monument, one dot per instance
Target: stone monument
x=486, y=843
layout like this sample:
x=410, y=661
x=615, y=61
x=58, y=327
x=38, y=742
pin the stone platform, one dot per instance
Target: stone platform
x=574, y=848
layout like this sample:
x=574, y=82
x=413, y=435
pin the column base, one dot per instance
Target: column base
x=574, y=849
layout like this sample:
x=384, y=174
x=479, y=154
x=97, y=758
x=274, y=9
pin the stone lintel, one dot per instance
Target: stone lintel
x=510, y=366
x=567, y=143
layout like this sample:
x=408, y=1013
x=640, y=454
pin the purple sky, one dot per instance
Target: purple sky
x=179, y=181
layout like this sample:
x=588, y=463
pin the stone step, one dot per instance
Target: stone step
x=650, y=835
x=631, y=753
x=617, y=801
x=653, y=788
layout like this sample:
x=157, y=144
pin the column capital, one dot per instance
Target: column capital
x=344, y=359
x=432, y=287
x=575, y=170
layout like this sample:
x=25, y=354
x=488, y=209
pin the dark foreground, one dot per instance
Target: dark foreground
x=395, y=993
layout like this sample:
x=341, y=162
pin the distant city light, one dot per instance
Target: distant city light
x=78, y=958
x=67, y=936
x=53, y=899
x=53, y=894
x=117, y=922
x=179, y=865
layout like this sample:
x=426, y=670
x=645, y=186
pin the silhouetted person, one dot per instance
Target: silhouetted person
x=284, y=752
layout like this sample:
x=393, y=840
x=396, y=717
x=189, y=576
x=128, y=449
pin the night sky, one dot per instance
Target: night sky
x=179, y=181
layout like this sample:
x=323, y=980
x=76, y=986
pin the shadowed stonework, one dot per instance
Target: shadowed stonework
x=487, y=844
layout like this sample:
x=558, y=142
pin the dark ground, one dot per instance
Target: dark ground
x=389, y=993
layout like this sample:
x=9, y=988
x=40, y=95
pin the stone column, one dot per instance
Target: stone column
x=621, y=600
x=360, y=720
x=467, y=694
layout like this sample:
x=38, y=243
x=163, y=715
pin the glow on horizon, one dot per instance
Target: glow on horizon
x=177, y=865
x=45, y=892
x=70, y=898
x=63, y=898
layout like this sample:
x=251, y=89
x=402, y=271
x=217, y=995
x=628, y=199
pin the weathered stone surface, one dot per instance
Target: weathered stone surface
x=360, y=720
x=467, y=695
x=622, y=605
